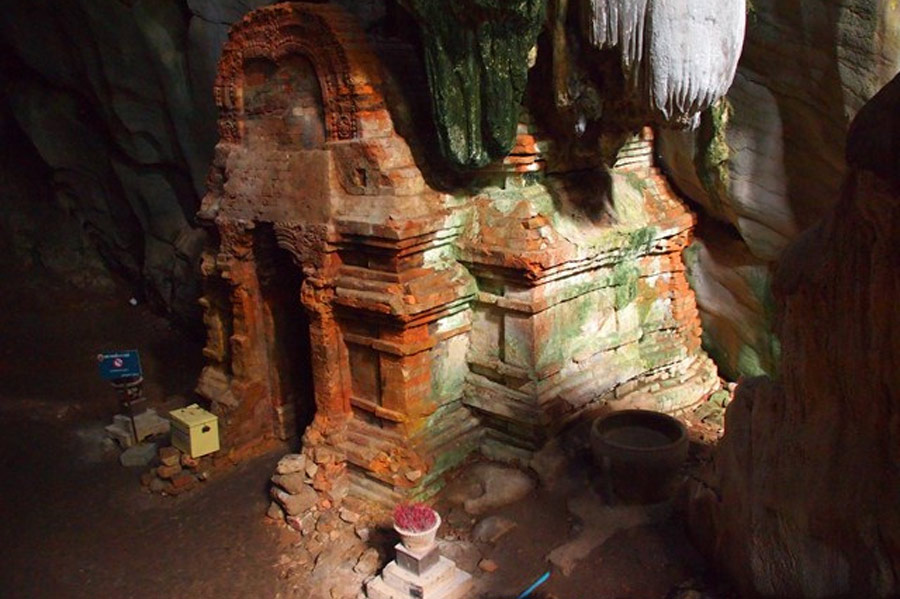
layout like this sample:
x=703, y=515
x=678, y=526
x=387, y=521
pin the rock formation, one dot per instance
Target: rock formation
x=37, y=230
x=677, y=58
x=769, y=162
x=116, y=98
x=804, y=495
x=477, y=58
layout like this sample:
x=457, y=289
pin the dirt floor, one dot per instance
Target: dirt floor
x=77, y=524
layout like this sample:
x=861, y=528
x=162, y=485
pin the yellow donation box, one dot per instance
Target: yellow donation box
x=195, y=431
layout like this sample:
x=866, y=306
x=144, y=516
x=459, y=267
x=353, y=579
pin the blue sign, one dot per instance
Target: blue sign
x=119, y=365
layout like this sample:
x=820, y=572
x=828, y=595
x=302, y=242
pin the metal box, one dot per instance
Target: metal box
x=195, y=431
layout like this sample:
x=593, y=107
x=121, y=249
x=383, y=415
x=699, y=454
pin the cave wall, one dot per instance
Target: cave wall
x=804, y=493
x=36, y=228
x=115, y=98
x=769, y=163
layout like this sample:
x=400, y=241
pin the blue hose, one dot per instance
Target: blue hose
x=535, y=585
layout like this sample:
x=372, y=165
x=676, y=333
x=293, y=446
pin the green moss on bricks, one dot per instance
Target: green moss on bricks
x=647, y=296
x=636, y=181
x=476, y=58
x=625, y=278
x=640, y=240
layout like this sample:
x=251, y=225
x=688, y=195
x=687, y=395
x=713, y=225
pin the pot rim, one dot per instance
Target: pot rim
x=660, y=416
x=420, y=533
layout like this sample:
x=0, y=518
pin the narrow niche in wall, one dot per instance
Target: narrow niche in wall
x=365, y=369
x=287, y=335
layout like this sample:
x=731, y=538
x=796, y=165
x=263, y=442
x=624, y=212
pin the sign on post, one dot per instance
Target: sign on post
x=120, y=364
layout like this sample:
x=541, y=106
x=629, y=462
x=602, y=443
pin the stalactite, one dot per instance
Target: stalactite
x=677, y=57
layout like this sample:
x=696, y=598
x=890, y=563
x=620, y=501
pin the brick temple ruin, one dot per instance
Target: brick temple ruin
x=439, y=323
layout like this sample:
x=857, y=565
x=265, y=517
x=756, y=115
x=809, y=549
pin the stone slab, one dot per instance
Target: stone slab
x=139, y=455
x=148, y=423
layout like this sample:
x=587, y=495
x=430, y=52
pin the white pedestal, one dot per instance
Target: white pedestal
x=443, y=580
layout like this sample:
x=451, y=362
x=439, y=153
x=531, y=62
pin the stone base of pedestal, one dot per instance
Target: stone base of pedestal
x=417, y=562
x=443, y=580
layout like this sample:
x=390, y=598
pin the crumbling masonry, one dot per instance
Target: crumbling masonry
x=438, y=324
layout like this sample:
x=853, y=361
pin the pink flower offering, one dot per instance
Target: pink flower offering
x=414, y=517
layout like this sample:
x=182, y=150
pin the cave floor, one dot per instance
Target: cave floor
x=77, y=524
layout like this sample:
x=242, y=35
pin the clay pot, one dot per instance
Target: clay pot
x=640, y=452
x=419, y=541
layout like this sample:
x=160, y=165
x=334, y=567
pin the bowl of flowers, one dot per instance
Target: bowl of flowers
x=417, y=524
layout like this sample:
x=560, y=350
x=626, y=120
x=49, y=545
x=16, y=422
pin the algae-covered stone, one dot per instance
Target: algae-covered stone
x=476, y=56
x=734, y=296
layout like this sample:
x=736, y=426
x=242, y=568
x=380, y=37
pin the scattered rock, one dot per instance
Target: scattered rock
x=189, y=462
x=138, y=455
x=275, y=512
x=600, y=522
x=325, y=455
x=413, y=475
x=169, y=456
x=713, y=410
x=462, y=489
x=488, y=565
x=292, y=483
x=315, y=546
x=203, y=476
x=363, y=532
x=492, y=528
x=302, y=557
x=368, y=562
x=327, y=522
x=295, y=522
x=465, y=554
x=347, y=586
x=158, y=485
x=295, y=504
x=502, y=485
x=348, y=516
x=311, y=469
x=168, y=472
x=147, y=424
x=458, y=518
x=291, y=463
x=550, y=463
x=304, y=524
